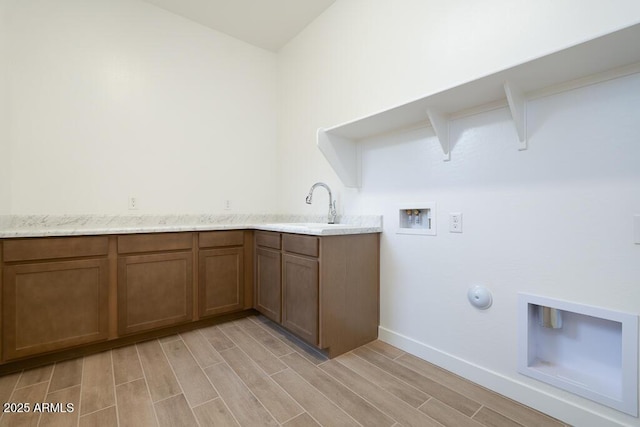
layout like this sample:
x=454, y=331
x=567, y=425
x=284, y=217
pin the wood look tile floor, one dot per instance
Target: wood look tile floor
x=250, y=372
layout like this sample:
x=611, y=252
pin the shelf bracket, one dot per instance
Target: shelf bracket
x=440, y=125
x=342, y=155
x=517, y=107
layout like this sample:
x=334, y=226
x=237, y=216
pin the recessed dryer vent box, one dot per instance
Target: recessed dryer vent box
x=417, y=218
x=586, y=350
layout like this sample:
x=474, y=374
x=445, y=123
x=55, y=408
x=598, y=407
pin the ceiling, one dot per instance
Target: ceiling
x=268, y=24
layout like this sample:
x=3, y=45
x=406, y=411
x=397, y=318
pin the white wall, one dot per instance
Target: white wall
x=5, y=156
x=553, y=220
x=116, y=98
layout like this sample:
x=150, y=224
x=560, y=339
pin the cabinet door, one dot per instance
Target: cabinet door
x=221, y=287
x=154, y=291
x=54, y=305
x=267, y=274
x=300, y=296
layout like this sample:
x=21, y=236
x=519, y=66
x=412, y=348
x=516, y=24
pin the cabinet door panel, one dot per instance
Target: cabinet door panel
x=221, y=279
x=154, y=291
x=268, y=290
x=56, y=305
x=300, y=296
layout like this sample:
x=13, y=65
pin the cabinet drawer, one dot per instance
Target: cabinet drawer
x=154, y=242
x=212, y=239
x=54, y=248
x=304, y=245
x=269, y=240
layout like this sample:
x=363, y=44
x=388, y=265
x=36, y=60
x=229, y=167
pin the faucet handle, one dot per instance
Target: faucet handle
x=332, y=212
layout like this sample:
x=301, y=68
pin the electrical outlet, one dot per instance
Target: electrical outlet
x=133, y=203
x=455, y=222
x=227, y=205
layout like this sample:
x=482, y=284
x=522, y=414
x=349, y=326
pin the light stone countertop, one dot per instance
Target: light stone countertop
x=15, y=226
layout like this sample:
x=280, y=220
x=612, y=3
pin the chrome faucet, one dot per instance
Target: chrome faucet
x=332, y=203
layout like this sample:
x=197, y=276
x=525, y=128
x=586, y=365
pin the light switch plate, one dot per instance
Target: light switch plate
x=636, y=229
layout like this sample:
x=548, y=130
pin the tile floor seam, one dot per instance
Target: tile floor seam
x=295, y=416
x=213, y=385
x=268, y=331
x=356, y=393
x=478, y=410
x=80, y=396
x=201, y=369
x=113, y=383
x=255, y=339
x=269, y=376
x=327, y=397
x=252, y=393
x=146, y=383
x=380, y=353
x=210, y=400
x=97, y=410
x=397, y=378
x=46, y=393
x=267, y=348
x=192, y=355
x=174, y=374
x=432, y=380
x=469, y=395
x=499, y=413
x=418, y=373
x=38, y=383
x=247, y=354
x=242, y=381
x=221, y=398
x=168, y=397
x=295, y=349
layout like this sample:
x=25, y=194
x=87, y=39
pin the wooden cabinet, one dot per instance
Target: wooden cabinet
x=221, y=279
x=300, y=296
x=154, y=289
x=327, y=287
x=68, y=292
x=267, y=275
x=51, y=300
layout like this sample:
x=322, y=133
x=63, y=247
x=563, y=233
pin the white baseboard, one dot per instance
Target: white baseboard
x=554, y=406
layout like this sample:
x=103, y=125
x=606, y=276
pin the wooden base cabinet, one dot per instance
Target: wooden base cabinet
x=50, y=301
x=155, y=290
x=221, y=272
x=327, y=287
x=268, y=289
x=300, y=296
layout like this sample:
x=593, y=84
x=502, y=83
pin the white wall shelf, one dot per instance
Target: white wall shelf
x=604, y=58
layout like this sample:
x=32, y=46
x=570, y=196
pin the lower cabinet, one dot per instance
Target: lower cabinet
x=268, y=288
x=66, y=292
x=323, y=289
x=56, y=303
x=154, y=291
x=221, y=276
x=300, y=296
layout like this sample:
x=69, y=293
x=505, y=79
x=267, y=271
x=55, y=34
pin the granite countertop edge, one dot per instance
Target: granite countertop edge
x=23, y=226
